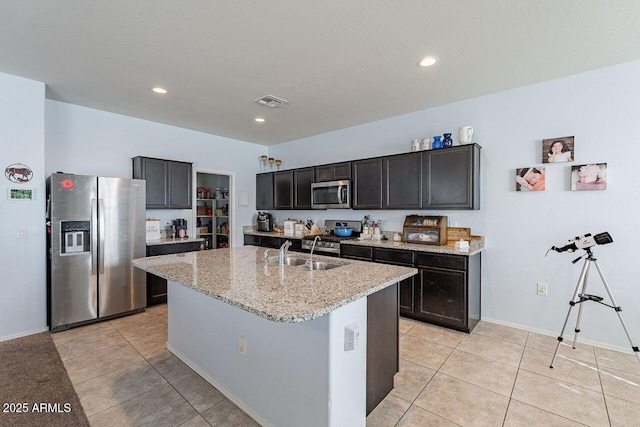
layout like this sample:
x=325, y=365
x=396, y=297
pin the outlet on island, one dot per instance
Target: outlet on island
x=242, y=346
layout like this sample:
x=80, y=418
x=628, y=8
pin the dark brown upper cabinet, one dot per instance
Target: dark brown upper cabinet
x=264, y=191
x=402, y=179
x=283, y=190
x=451, y=178
x=169, y=182
x=367, y=184
x=333, y=172
x=302, y=180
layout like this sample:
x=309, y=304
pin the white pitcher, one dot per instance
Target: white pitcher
x=464, y=134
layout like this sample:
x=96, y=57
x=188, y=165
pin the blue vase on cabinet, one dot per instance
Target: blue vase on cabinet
x=437, y=142
x=448, y=142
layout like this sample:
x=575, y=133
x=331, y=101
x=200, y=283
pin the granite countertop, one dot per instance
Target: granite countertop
x=240, y=277
x=387, y=244
x=169, y=240
x=390, y=244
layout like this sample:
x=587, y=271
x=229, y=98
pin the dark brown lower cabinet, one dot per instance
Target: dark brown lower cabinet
x=447, y=291
x=157, y=286
x=272, y=242
x=382, y=344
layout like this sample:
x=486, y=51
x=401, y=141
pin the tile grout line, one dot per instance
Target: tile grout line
x=163, y=377
x=144, y=358
x=515, y=380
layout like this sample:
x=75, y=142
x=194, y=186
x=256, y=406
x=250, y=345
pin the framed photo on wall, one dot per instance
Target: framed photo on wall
x=592, y=176
x=530, y=179
x=558, y=150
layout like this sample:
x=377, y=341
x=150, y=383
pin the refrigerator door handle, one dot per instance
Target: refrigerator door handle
x=101, y=233
x=94, y=240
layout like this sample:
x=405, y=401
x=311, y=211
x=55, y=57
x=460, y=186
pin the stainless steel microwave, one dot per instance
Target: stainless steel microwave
x=331, y=195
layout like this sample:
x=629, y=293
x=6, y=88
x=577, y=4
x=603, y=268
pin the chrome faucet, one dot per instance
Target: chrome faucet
x=311, y=254
x=283, y=252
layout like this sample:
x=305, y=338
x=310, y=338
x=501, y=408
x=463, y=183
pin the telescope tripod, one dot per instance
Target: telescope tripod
x=580, y=296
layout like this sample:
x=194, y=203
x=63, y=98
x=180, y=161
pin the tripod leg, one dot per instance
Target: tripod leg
x=618, y=310
x=584, y=291
x=571, y=304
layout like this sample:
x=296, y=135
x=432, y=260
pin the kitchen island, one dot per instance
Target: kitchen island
x=272, y=338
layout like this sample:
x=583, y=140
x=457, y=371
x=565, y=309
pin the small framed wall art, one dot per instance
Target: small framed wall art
x=21, y=194
x=558, y=150
x=530, y=179
x=592, y=176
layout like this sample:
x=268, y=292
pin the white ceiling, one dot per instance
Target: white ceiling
x=338, y=63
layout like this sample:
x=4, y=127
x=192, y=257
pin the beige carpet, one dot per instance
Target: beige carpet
x=33, y=380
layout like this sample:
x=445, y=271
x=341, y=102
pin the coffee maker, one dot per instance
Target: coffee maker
x=265, y=221
x=180, y=224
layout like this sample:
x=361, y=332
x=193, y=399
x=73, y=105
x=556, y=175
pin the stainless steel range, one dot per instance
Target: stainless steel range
x=329, y=244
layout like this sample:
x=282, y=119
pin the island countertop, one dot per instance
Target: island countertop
x=240, y=277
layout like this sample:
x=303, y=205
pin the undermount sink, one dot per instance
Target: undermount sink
x=304, y=263
x=294, y=261
x=322, y=265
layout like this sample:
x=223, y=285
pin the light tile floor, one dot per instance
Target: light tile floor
x=496, y=376
x=125, y=376
x=500, y=376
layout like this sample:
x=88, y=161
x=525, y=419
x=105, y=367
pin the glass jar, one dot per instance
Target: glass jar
x=218, y=193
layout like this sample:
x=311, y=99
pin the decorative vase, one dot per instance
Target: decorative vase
x=436, y=143
x=448, y=142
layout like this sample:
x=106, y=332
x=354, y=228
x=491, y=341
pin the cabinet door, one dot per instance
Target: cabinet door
x=179, y=185
x=333, y=172
x=367, y=184
x=402, y=177
x=451, y=178
x=406, y=286
x=442, y=297
x=341, y=171
x=283, y=190
x=407, y=292
x=155, y=172
x=302, y=179
x=264, y=191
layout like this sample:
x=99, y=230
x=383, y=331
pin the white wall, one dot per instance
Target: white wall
x=22, y=261
x=86, y=141
x=601, y=108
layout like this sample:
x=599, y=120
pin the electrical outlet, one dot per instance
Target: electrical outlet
x=542, y=289
x=242, y=346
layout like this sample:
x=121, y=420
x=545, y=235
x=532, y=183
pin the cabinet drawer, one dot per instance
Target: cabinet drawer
x=393, y=256
x=172, y=248
x=251, y=240
x=270, y=242
x=442, y=260
x=356, y=252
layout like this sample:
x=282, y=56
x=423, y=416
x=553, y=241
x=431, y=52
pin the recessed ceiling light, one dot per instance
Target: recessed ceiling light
x=159, y=90
x=428, y=61
x=259, y=119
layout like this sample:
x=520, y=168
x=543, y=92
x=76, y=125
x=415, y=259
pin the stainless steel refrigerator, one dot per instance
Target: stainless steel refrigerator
x=96, y=226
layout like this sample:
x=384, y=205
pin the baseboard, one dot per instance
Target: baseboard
x=23, y=334
x=222, y=389
x=567, y=337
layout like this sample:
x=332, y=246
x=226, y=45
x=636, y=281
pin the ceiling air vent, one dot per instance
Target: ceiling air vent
x=271, y=101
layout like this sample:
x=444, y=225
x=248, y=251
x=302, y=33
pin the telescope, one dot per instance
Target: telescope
x=584, y=242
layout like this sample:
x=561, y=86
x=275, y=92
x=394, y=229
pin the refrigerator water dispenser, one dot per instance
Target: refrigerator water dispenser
x=75, y=237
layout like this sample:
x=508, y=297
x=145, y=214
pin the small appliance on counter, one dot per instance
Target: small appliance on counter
x=265, y=221
x=181, y=227
x=430, y=230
